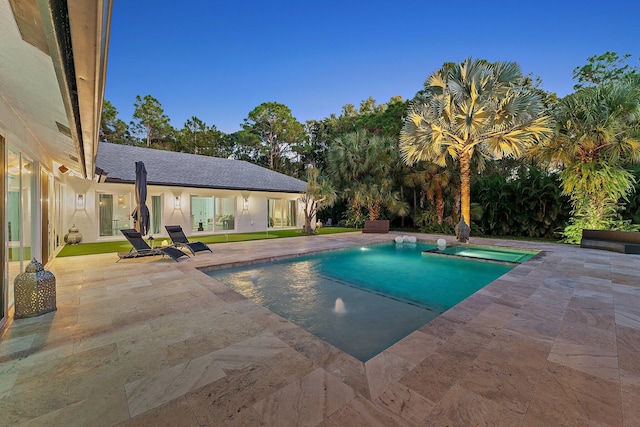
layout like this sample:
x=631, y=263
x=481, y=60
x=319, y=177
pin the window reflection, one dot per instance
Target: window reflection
x=20, y=183
x=201, y=213
x=225, y=213
x=282, y=213
x=114, y=211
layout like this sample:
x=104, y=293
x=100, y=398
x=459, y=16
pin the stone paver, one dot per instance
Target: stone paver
x=153, y=342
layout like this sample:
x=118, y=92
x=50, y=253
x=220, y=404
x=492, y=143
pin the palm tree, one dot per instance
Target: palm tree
x=360, y=165
x=319, y=194
x=434, y=182
x=597, y=132
x=474, y=109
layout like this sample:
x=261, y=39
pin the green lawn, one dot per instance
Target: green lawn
x=124, y=246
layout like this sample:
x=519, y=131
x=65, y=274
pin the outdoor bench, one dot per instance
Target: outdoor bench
x=377, y=226
x=626, y=242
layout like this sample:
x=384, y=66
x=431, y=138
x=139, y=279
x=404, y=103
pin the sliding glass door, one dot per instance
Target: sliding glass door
x=114, y=212
x=155, y=215
x=282, y=213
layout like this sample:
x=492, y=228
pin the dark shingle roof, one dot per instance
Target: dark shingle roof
x=191, y=170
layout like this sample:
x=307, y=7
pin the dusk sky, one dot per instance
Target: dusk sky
x=218, y=60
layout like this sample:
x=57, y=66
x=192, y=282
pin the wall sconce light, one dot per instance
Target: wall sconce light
x=176, y=202
x=245, y=200
x=80, y=201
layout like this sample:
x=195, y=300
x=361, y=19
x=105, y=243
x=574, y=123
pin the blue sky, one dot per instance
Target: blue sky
x=218, y=60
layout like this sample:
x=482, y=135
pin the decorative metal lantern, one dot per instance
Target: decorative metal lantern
x=73, y=237
x=35, y=291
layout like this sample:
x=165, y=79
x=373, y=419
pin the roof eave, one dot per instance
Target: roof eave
x=168, y=184
x=77, y=35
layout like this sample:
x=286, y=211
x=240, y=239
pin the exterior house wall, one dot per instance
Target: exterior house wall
x=44, y=108
x=23, y=235
x=85, y=217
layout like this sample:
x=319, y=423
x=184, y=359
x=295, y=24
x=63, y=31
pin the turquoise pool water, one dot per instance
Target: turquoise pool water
x=388, y=291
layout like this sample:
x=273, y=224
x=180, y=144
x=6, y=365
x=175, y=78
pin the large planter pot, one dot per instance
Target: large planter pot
x=73, y=237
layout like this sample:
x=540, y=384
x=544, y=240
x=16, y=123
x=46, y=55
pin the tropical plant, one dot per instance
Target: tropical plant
x=472, y=109
x=598, y=132
x=360, y=165
x=528, y=203
x=631, y=210
x=434, y=184
x=319, y=194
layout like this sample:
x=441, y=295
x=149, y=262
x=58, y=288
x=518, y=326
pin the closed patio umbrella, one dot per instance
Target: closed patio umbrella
x=141, y=213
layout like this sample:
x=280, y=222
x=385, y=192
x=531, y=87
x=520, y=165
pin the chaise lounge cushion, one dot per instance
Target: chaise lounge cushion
x=625, y=242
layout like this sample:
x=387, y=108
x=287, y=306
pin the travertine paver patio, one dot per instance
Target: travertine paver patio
x=555, y=342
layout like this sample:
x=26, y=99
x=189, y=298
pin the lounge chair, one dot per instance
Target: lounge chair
x=180, y=240
x=141, y=248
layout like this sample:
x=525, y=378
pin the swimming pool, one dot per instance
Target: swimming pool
x=388, y=291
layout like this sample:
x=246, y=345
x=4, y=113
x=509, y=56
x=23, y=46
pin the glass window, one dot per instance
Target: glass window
x=201, y=213
x=19, y=219
x=14, y=206
x=225, y=213
x=27, y=223
x=57, y=217
x=3, y=266
x=14, y=220
x=114, y=213
x=155, y=214
x=291, y=213
x=274, y=211
x=282, y=213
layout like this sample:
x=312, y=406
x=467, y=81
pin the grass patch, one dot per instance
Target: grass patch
x=124, y=246
x=94, y=248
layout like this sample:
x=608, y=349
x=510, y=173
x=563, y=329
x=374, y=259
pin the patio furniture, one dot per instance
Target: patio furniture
x=141, y=248
x=377, y=226
x=180, y=240
x=626, y=242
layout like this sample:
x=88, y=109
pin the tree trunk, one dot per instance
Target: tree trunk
x=439, y=200
x=307, y=224
x=465, y=186
x=402, y=198
x=309, y=213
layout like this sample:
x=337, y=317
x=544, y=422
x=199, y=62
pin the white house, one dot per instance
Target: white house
x=55, y=174
x=53, y=57
x=204, y=195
